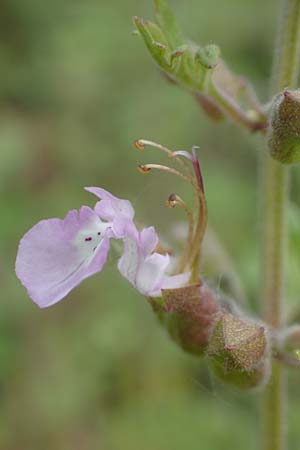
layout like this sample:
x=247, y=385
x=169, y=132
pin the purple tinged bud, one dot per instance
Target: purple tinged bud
x=239, y=352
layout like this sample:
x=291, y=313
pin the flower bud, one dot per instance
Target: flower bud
x=239, y=352
x=208, y=56
x=189, y=314
x=284, y=129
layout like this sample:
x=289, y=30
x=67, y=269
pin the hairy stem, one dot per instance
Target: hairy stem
x=275, y=201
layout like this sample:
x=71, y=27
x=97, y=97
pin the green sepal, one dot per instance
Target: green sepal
x=189, y=315
x=241, y=379
x=238, y=352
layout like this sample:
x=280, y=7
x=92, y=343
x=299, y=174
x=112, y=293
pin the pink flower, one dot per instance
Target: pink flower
x=56, y=255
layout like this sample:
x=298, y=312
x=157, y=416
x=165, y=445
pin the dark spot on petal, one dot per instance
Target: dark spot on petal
x=88, y=239
x=99, y=233
x=94, y=249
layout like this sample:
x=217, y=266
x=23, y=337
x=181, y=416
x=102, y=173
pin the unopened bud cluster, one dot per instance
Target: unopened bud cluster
x=202, y=323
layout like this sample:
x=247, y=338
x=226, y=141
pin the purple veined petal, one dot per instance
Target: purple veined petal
x=57, y=254
x=129, y=262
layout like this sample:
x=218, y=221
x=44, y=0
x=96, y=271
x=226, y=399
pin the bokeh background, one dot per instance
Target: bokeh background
x=76, y=89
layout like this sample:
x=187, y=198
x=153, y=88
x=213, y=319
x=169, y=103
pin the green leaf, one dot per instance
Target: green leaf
x=167, y=21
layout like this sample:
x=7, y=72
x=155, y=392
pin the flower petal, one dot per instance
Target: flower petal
x=145, y=270
x=114, y=209
x=151, y=273
x=148, y=240
x=175, y=281
x=110, y=206
x=129, y=262
x=56, y=255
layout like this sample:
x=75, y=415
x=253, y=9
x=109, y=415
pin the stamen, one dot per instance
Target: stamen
x=194, y=159
x=198, y=236
x=140, y=144
x=145, y=168
x=175, y=200
x=172, y=201
x=191, y=254
x=197, y=168
x=183, y=153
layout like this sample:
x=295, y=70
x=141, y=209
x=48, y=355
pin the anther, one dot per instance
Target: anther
x=139, y=145
x=143, y=168
x=172, y=201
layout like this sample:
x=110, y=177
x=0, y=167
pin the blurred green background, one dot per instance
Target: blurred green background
x=76, y=88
